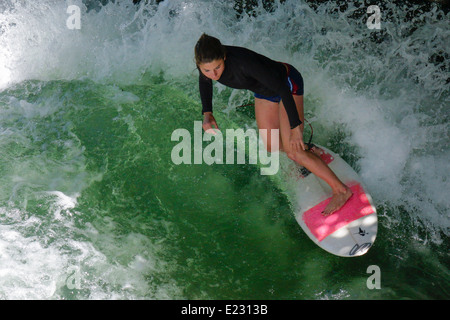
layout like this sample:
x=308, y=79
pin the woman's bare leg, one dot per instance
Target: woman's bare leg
x=270, y=115
x=266, y=113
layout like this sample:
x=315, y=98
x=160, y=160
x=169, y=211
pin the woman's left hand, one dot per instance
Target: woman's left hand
x=296, y=139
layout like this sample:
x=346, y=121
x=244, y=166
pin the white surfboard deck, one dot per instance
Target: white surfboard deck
x=350, y=231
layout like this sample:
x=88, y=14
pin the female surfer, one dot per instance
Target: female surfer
x=278, y=91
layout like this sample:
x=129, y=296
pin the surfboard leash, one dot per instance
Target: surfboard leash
x=309, y=143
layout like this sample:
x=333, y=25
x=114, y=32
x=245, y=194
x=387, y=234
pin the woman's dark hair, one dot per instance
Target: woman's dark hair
x=208, y=49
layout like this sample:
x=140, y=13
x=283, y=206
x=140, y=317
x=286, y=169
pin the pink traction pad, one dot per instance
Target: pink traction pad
x=325, y=156
x=322, y=226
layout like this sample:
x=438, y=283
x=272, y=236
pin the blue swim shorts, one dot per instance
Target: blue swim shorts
x=294, y=80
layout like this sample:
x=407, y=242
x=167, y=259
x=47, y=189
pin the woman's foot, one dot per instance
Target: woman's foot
x=337, y=201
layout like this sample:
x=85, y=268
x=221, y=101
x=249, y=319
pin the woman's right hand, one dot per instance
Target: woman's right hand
x=209, y=122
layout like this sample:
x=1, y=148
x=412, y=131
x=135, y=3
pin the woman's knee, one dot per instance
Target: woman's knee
x=298, y=156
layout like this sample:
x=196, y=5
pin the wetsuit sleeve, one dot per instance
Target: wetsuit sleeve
x=267, y=79
x=206, y=93
x=291, y=108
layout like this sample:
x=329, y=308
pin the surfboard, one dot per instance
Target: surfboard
x=348, y=232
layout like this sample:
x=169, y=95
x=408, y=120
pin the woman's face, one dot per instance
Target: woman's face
x=213, y=70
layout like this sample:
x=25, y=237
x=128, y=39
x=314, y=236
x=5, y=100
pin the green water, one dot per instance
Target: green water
x=93, y=207
x=138, y=226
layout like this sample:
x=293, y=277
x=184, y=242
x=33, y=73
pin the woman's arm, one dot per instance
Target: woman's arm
x=206, y=93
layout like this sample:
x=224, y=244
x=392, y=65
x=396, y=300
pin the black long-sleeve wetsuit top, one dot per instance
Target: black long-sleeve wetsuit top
x=246, y=69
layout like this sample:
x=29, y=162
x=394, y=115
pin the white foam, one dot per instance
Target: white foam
x=388, y=97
